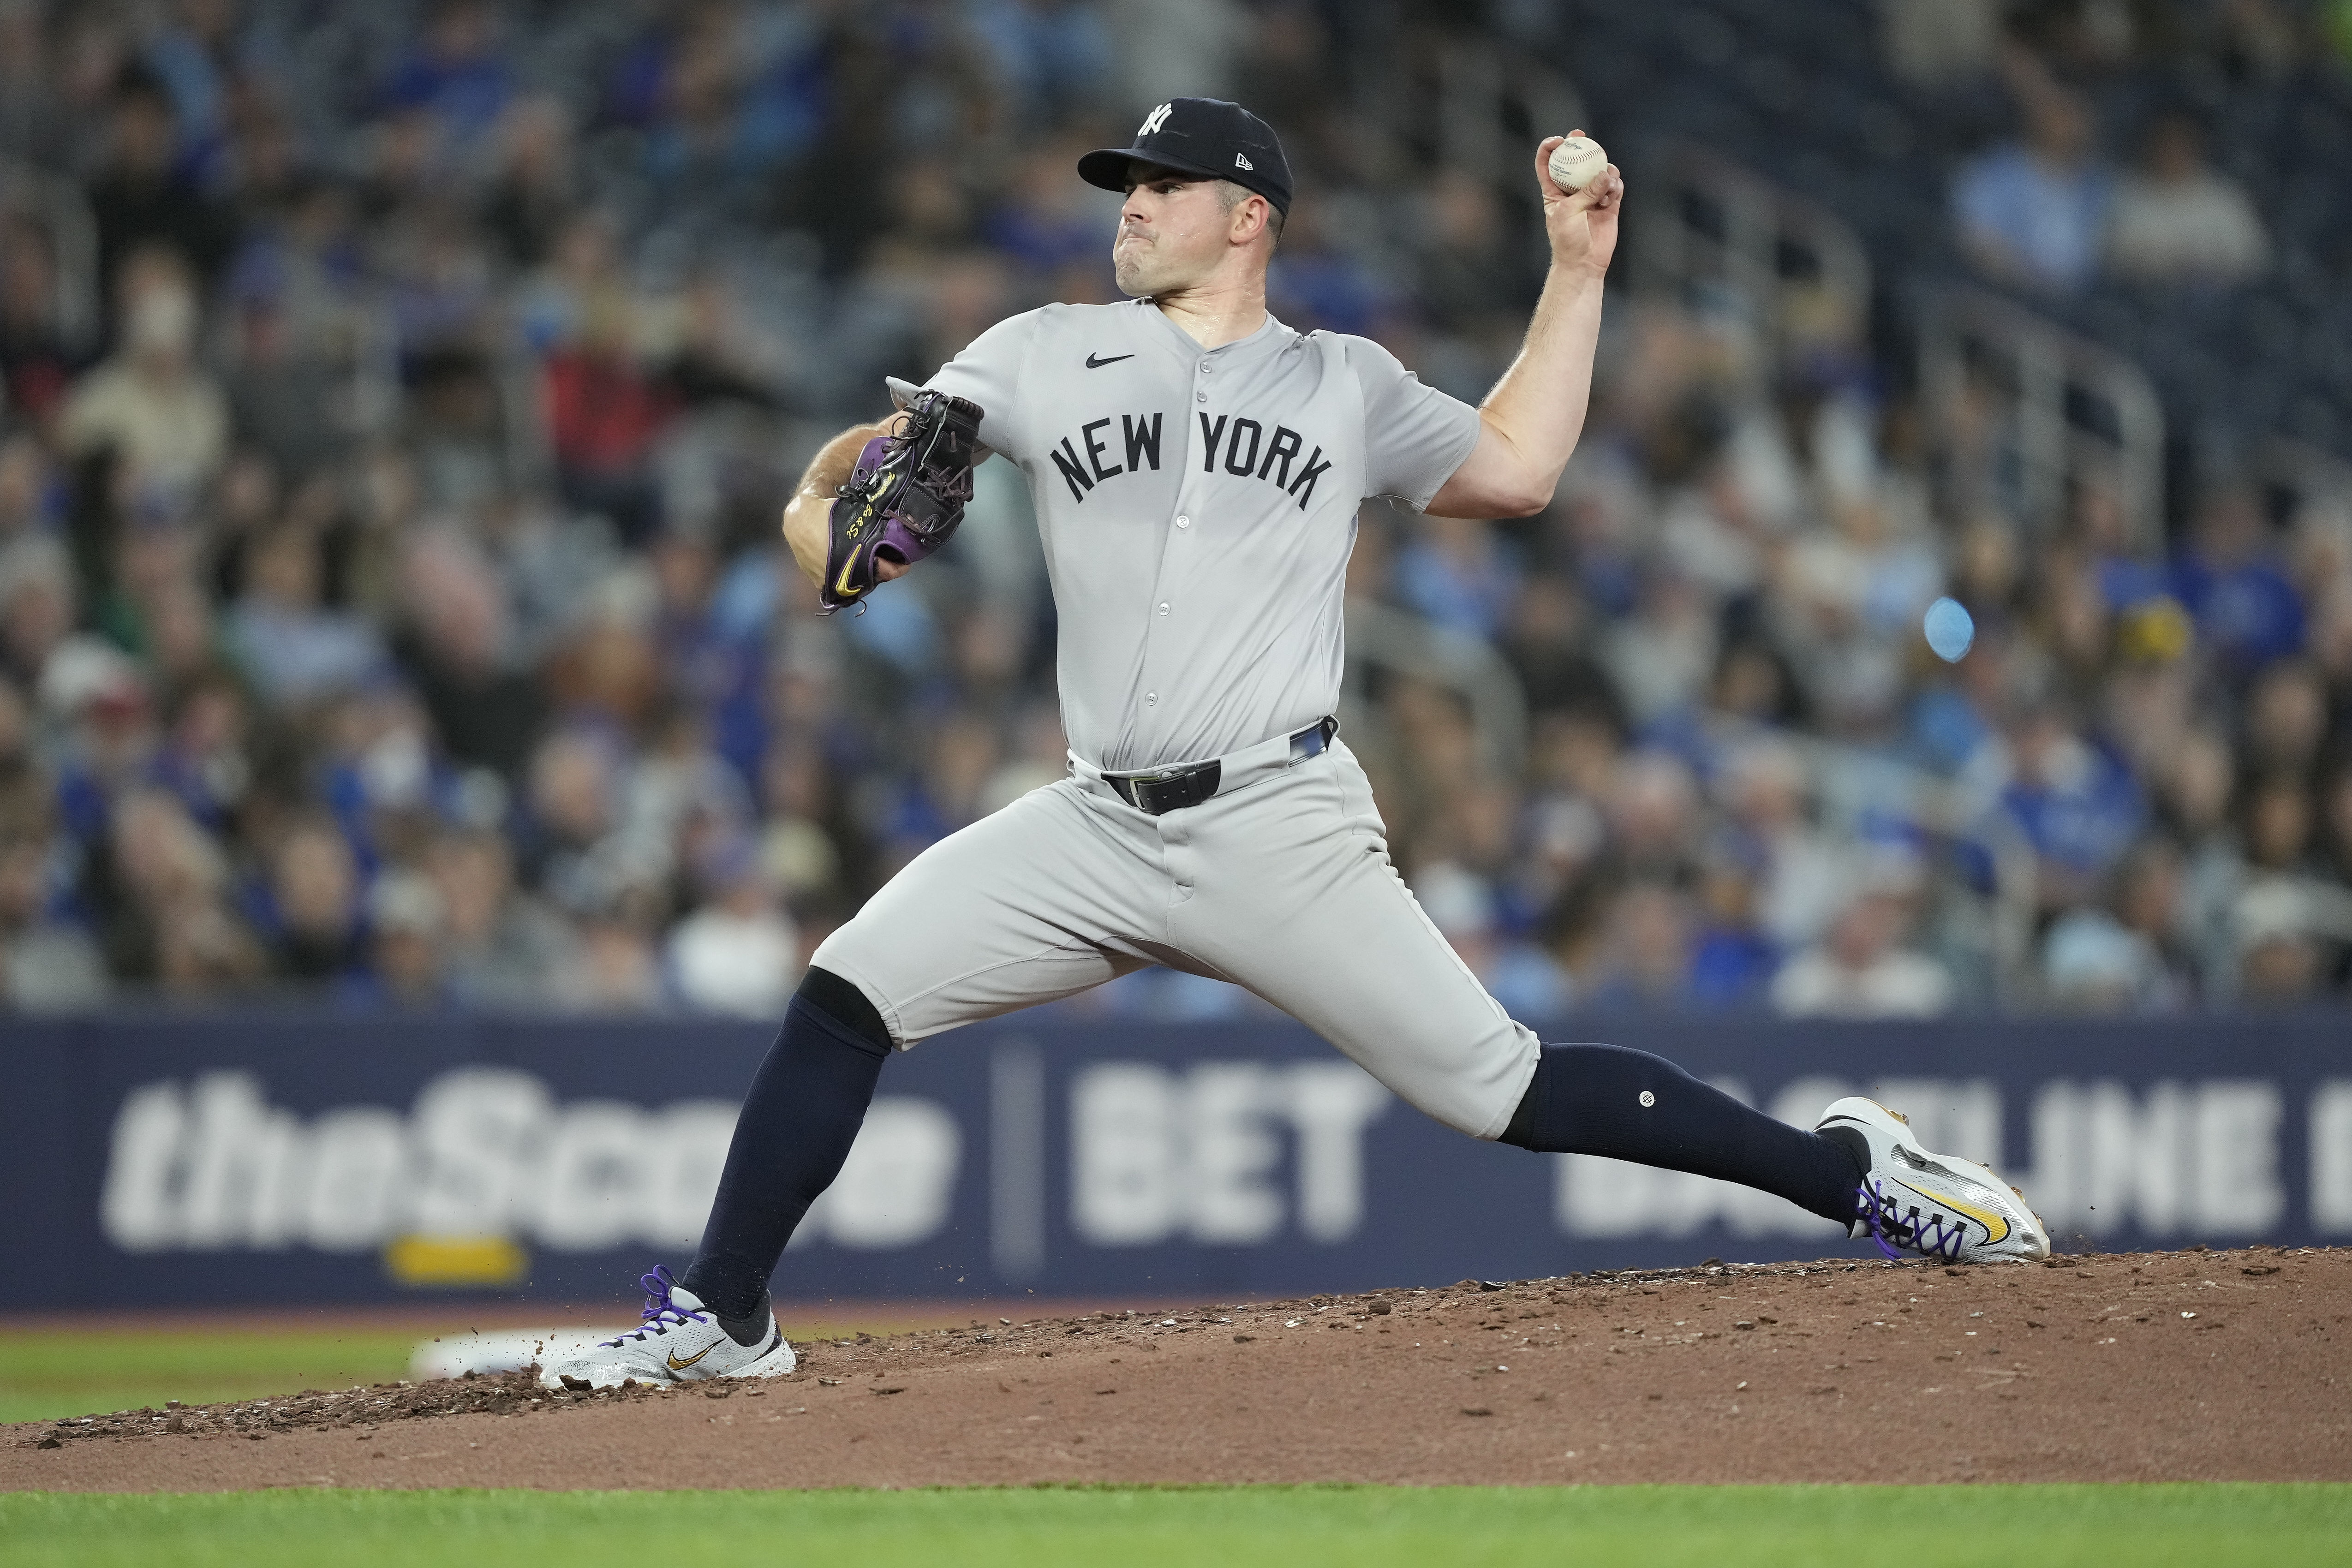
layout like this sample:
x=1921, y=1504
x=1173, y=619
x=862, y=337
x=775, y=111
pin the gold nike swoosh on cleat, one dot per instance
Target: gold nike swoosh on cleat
x=678, y=1366
x=1996, y=1225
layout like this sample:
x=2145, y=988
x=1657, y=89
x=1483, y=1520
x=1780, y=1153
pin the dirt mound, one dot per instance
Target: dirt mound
x=2165, y=1365
x=510, y=1394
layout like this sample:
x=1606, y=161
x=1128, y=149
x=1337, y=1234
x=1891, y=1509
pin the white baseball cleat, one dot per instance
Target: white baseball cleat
x=1930, y=1204
x=680, y=1341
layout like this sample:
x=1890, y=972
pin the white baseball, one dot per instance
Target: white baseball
x=1575, y=163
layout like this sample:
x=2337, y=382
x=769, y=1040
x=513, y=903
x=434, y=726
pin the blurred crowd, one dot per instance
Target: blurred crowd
x=399, y=401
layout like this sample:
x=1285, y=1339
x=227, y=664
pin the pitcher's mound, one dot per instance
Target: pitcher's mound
x=2173, y=1365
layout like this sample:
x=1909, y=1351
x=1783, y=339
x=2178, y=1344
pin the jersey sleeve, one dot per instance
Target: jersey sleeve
x=987, y=372
x=1414, y=435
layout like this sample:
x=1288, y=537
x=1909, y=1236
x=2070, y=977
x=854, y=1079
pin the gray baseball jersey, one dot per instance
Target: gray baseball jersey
x=1197, y=508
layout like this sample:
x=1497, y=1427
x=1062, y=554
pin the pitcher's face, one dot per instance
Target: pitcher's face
x=1173, y=231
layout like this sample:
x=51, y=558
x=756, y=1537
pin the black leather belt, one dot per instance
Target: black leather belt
x=1157, y=794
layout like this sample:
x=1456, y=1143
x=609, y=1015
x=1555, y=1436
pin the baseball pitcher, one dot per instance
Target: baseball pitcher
x=1197, y=468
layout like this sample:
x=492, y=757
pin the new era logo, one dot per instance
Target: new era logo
x=1242, y=163
x=1155, y=120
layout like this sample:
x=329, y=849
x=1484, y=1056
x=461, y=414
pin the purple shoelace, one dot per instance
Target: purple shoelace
x=1935, y=1237
x=660, y=1314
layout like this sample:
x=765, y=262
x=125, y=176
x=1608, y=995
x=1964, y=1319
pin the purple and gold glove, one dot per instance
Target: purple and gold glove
x=904, y=498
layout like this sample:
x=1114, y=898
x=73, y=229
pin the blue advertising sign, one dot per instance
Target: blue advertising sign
x=277, y=1158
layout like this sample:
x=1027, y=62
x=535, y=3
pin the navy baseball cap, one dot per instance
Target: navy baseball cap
x=1201, y=136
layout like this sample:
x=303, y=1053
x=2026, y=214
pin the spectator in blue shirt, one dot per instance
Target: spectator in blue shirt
x=457, y=71
x=2034, y=211
x=2075, y=802
x=1459, y=576
x=1732, y=962
x=2231, y=581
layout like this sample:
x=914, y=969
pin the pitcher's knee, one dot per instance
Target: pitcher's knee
x=848, y=1005
x=1476, y=1096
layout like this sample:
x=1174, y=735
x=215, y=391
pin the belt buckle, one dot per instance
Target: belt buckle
x=1158, y=794
x=1148, y=792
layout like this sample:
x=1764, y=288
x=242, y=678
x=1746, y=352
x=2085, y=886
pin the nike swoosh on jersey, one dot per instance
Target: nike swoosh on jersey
x=1095, y=364
x=678, y=1366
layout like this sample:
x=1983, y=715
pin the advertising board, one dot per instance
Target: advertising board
x=284, y=1159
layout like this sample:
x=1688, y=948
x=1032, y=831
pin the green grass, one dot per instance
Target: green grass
x=1232, y=1527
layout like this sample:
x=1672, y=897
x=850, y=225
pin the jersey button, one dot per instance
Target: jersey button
x=1163, y=610
x=1151, y=699
x=1201, y=397
x=1183, y=522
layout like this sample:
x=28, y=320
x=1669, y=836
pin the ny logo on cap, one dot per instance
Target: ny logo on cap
x=1155, y=120
x=1242, y=163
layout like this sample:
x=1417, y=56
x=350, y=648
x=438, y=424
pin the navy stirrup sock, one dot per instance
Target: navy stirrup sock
x=1631, y=1105
x=805, y=1105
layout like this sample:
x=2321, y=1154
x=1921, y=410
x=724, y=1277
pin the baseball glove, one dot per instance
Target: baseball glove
x=904, y=498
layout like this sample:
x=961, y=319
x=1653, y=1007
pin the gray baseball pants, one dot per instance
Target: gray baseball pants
x=1282, y=885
